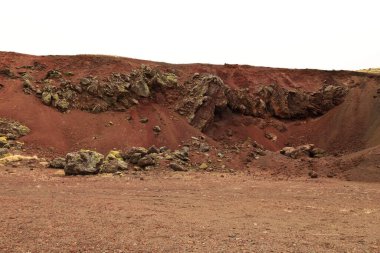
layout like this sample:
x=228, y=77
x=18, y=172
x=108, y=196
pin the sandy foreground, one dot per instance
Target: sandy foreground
x=43, y=211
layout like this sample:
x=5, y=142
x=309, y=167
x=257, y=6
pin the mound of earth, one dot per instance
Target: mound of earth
x=229, y=117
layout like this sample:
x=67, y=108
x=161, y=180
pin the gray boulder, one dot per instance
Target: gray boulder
x=147, y=160
x=58, y=163
x=177, y=167
x=83, y=162
x=113, y=166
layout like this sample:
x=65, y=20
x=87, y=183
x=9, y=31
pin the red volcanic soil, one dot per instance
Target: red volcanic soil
x=248, y=199
x=351, y=126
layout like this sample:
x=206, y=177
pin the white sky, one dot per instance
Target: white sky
x=325, y=34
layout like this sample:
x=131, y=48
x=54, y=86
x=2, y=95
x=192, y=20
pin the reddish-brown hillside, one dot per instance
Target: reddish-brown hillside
x=348, y=123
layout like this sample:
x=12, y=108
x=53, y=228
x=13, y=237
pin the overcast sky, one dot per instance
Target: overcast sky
x=325, y=34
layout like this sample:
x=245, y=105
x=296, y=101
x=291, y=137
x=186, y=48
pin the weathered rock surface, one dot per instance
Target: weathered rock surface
x=307, y=150
x=112, y=166
x=177, y=167
x=113, y=162
x=12, y=129
x=118, y=92
x=147, y=160
x=58, y=163
x=277, y=101
x=206, y=96
x=83, y=162
x=3, y=152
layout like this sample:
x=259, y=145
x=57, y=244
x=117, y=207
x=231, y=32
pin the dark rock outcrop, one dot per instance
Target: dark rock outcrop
x=57, y=163
x=307, y=150
x=84, y=162
x=206, y=96
x=274, y=100
x=118, y=92
x=12, y=129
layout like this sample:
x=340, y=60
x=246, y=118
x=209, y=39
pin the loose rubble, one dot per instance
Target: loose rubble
x=307, y=150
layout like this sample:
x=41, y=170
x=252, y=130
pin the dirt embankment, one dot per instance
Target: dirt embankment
x=101, y=103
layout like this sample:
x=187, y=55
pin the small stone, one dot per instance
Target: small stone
x=45, y=164
x=184, y=156
x=163, y=149
x=204, y=147
x=157, y=129
x=186, y=149
x=313, y=174
x=144, y=120
x=257, y=145
x=177, y=167
x=146, y=161
x=85, y=81
x=270, y=136
x=4, y=152
x=153, y=150
x=203, y=166
x=57, y=163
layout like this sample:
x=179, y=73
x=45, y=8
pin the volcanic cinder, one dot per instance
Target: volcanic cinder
x=131, y=119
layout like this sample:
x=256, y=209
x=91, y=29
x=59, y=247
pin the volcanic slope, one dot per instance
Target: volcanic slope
x=104, y=102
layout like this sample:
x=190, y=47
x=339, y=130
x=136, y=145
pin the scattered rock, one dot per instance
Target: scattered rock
x=270, y=136
x=181, y=155
x=44, y=164
x=206, y=96
x=144, y=120
x=3, y=142
x=134, y=154
x=113, y=166
x=17, y=158
x=153, y=150
x=58, y=163
x=163, y=149
x=12, y=129
x=313, y=174
x=317, y=152
x=203, y=166
x=156, y=129
x=141, y=88
x=204, y=147
x=177, y=167
x=53, y=74
x=7, y=72
x=257, y=145
x=4, y=152
x=147, y=160
x=307, y=150
x=134, y=158
x=83, y=162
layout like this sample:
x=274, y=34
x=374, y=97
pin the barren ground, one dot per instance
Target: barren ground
x=253, y=200
x=43, y=211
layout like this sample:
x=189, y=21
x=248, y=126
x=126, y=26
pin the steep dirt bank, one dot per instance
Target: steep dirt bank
x=101, y=103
